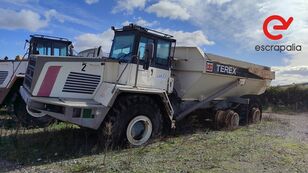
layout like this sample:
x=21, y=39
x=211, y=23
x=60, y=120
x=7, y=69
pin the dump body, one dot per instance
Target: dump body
x=198, y=75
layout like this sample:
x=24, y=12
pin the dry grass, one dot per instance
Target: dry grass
x=263, y=147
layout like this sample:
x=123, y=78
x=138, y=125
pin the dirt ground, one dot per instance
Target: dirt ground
x=298, y=123
x=278, y=144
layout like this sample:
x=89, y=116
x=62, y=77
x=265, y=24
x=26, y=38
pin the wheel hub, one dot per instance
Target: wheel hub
x=139, y=130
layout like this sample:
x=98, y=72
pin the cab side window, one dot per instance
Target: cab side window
x=162, y=53
x=59, y=49
x=142, y=45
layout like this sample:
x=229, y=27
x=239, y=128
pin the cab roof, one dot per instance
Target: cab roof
x=146, y=31
x=50, y=38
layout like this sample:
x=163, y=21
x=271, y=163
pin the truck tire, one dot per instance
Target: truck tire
x=19, y=111
x=133, y=120
x=226, y=119
x=255, y=112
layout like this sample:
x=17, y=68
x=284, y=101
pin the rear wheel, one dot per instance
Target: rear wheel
x=227, y=119
x=255, y=112
x=133, y=120
x=252, y=113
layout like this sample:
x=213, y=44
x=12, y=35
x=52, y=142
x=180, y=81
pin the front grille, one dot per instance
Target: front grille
x=3, y=76
x=81, y=83
x=29, y=73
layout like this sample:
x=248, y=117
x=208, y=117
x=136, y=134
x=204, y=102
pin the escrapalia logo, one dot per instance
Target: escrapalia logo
x=285, y=24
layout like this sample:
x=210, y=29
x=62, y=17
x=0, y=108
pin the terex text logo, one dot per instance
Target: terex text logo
x=284, y=26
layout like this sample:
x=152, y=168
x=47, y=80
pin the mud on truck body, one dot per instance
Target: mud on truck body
x=145, y=84
x=12, y=72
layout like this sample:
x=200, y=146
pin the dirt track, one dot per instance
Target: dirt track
x=298, y=124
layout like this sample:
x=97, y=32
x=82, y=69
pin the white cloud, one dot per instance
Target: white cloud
x=195, y=38
x=91, y=1
x=141, y=22
x=24, y=19
x=290, y=74
x=128, y=6
x=181, y=9
x=54, y=14
x=20, y=1
x=218, y=2
x=168, y=9
x=90, y=40
x=33, y=21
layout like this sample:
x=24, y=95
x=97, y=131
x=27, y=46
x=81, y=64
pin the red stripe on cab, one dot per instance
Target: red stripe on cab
x=49, y=81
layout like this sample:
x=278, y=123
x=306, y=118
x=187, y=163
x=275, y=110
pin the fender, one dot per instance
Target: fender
x=163, y=97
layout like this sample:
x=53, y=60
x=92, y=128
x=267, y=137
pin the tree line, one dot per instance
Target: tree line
x=294, y=98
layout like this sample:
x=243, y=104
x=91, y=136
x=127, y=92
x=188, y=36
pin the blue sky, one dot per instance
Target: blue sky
x=226, y=27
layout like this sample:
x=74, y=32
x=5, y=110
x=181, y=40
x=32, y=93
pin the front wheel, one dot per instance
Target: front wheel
x=139, y=130
x=133, y=120
x=19, y=111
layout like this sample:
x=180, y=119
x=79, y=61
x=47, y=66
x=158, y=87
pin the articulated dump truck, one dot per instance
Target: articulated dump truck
x=12, y=73
x=146, y=84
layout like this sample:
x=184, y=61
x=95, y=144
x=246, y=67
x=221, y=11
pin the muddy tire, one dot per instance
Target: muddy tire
x=133, y=121
x=19, y=112
x=227, y=120
x=255, y=111
x=252, y=113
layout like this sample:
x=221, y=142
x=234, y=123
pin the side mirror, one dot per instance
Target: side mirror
x=26, y=41
x=99, y=51
x=148, y=55
x=71, y=50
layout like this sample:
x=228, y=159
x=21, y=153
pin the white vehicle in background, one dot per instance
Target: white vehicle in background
x=145, y=84
x=12, y=73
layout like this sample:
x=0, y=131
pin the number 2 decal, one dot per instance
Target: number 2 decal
x=84, y=65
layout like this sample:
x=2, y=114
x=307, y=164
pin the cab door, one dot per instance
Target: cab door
x=157, y=75
x=144, y=76
x=160, y=67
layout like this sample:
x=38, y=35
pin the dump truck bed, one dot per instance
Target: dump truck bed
x=10, y=70
x=197, y=75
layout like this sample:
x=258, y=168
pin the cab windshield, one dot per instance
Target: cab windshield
x=50, y=49
x=58, y=49
x=122, y=47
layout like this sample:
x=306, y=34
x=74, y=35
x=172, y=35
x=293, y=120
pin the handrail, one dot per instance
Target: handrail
x=117, y=81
